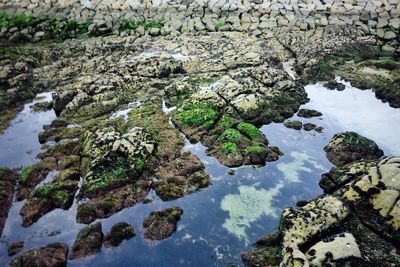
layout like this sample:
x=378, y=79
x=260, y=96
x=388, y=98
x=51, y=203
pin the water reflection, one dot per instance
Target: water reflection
x=19, y=143
x=226, y=218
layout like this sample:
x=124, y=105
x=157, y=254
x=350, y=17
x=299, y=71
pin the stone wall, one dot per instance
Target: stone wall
x=376, y=17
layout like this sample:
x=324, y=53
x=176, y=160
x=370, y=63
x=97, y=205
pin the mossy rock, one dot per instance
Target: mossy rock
x=118, y=233
x=297, y=125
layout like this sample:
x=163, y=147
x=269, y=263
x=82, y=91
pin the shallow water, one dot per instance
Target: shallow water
x=226, y=218
x=19, y=143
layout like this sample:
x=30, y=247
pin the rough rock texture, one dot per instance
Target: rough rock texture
x=118, y=233
x=60, y=193
x=309, y=113
x=15, y=248
x=7, y=184
x=161, y=224
x=32, y=175
x=180, y=177
x=348, y=147
x=339, y=229
x=88, y=241
x=53, y=255
x=297, y=125
x=300, y=225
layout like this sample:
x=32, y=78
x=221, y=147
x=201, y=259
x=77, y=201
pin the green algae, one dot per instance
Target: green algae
x=198, y=114
x=249, y=129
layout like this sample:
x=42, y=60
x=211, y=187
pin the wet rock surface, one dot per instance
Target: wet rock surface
x=181, y=176
x=118, y=233
x=15, y=248
x=115, y=141
x=348, y=147
x=7, y=183
x=88, y=241
x=50, y=255
x=340, y=228
x=161, y=224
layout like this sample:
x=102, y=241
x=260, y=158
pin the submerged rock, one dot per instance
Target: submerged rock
x=15, y=248
x=118, y=233
x=88, y=241
x=161, y=224
x=53, y=255
x=7, y=183
x=348, y=147
x=42, y=106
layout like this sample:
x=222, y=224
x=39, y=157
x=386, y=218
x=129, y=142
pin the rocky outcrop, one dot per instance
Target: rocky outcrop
x=88, y=241
x=348, y=147
x=53, y=255
x=340, y=228
x=32, y=175
x=60, y=193
x=118, y=233
x=7, y=184
x=161, y=224
x=180, y=177
x=115, y=158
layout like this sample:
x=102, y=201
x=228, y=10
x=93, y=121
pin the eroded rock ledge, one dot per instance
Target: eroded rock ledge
x=358, y=223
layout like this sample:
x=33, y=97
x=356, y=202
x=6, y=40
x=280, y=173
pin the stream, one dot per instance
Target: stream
x=226, y=218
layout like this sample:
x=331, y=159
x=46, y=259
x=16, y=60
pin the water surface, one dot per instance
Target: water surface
x=225, y=219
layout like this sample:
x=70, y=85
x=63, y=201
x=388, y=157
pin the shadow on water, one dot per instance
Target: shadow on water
x=227, y=217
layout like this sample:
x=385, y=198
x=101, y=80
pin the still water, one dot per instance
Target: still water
x=226, y=218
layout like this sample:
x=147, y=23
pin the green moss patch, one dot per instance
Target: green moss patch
x=249, y=130
x=198, y=114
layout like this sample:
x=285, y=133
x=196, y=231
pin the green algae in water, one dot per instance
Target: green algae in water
x=247, y=207
x=291, y=170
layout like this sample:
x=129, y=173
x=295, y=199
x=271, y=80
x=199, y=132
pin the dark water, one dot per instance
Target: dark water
x=226, y=218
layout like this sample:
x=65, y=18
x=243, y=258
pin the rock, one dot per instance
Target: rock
x=7, y=184
x=42, y=106
x=349, y=147
x=389, y=35
x=88, y=241
x=333, y=249
x=303, y=224
x=161, y=224
x=118, y=233
x=15, y=248
x=309, y=126
x=297, y=125
x=308, y=113
x=111, y=151
x=53, y=255
x=180, y=177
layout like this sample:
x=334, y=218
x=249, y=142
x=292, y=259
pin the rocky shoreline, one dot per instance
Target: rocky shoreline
x=126, y=105
x=359, y=209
